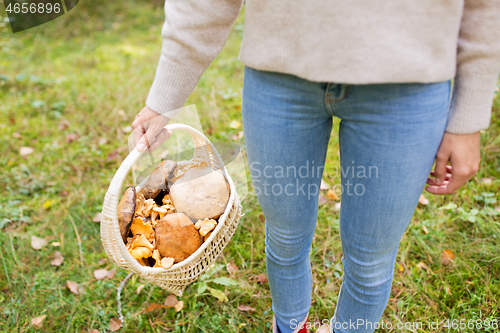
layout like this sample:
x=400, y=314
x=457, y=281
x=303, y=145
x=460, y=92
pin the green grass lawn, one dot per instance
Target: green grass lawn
x=62, y=86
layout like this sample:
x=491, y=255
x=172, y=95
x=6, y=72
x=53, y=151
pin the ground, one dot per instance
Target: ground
x=62, y=86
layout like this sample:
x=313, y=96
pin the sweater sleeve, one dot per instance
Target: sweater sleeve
x=478, y=64
x=193, y=34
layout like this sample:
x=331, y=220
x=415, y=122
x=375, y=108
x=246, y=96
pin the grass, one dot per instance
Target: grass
x=98, y=59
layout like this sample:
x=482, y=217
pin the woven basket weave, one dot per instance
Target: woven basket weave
x=176, y=278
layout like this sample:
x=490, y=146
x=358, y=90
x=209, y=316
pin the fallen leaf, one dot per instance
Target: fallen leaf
x=115, y=324
x=262, y=278
x=56, y=244
x=102, y=141
x=231, y=268
x=139, y=288
x=127, y=129
x=235, y=124
x=178, y=307
x=331, y=195
x=486, y=181
x=48, y=203
x=63, y=124
x=447, y=256
x=37, y=322
x=262, y=218
x=218, y=294
x=94, y=331
x=401, y=268
x=71, y=137
x=425, y=229
x=111, y=273
x=102, y=261
x=171, y=300
x=154, y=306
x=421, y=265
x=337, y=206
x=423, y=200
x=243, y=307
x=100, y=274
x=17, y=135
x=324, y=185
x=497, y=209
x=37, y=243
x=122, y=114
x=97, y=217
x=73, y=286
x=321, y=200
x=25, y=151
x=113, y=155
x=58, y=259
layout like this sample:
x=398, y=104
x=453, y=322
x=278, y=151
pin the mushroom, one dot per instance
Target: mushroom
x=140, y=252
x=138, y=241
x=167, y=262
x=200, y=193
x=176, y=237
x=158, y=179
x=126, y=209
x=157, y=257
x=142, y=226
x=205, y=226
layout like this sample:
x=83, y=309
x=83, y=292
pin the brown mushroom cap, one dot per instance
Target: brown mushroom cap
x=200, y=193
x=126, y=209
x=158, y=179
x=176, y=237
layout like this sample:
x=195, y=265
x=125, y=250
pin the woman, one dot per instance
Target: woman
x=385, y=69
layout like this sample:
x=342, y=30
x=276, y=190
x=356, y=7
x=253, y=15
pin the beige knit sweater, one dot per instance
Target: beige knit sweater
x=342, y=41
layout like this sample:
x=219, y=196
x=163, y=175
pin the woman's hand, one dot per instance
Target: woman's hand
x=149, y=131
x=461, y=151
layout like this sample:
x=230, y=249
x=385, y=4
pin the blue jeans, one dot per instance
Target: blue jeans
x=389, y=135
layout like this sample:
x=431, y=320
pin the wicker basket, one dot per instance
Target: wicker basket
x=176, y=278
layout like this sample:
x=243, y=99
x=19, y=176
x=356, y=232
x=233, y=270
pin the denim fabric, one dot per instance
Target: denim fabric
x=389, y=136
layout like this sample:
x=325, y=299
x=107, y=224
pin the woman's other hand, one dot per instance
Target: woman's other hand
x=457, y=160
x=148, y=129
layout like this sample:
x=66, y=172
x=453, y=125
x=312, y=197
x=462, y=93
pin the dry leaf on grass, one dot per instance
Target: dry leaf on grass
x=58, y=259
x=321, y=200
x=447, y=257
x=139, y=288
x=331, y=195
x=421, y=265
x=178, y=307
x=171, y=300
x=100, y=274
x=423, y=200
x=235, y=124
x=17, y=135
x=262, y=278
x=115, y=324
x=25, y=151
x=220, y=295
x=102, y=141
x=424, y=228
x=37, y=322
x=111, y=273
x=324, y=185
x=337, y=206
x=63, y=124
x=153, y=306
x=231, y=268
x=72, y=137
x=243, y=307
x=37, y=243
x=73, y=286
x=486, y=181
x=97, y=217
x=94, y=331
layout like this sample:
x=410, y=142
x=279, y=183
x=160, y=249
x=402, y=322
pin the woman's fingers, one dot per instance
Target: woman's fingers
x=148, y=128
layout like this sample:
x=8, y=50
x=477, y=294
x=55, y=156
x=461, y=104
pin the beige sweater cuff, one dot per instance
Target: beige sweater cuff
x=171, y=87
x=471, y=102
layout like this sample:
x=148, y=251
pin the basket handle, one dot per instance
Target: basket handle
x=109, y=223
